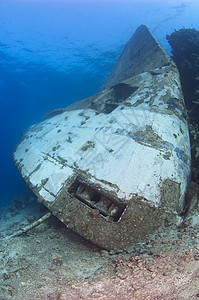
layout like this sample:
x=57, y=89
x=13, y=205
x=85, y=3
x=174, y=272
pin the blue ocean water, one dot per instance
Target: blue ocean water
x=53, y=53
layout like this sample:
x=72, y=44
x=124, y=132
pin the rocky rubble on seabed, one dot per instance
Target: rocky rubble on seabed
x=52, y=262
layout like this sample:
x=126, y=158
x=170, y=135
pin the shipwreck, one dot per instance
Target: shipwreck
x=114, y=167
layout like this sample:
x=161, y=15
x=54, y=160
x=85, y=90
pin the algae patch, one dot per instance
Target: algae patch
x=150, y=138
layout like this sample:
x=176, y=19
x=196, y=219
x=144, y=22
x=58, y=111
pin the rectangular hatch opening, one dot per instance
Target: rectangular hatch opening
x=96, y=199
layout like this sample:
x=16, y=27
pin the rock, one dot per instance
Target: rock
x=185, y=50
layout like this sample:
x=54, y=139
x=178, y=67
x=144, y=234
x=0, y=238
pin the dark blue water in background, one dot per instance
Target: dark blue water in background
x=53, y=53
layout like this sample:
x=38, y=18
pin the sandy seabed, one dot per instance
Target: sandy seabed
x=52, y=262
